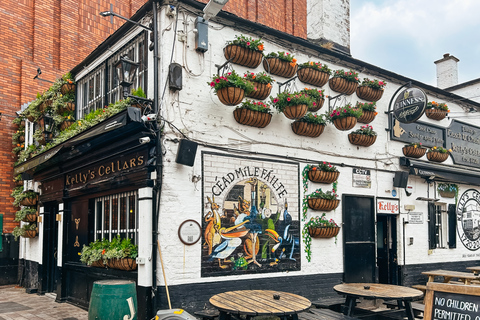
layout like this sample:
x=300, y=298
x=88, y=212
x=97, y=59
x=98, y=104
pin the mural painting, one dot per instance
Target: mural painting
x=250, y=216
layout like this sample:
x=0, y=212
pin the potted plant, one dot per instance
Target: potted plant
x=18, y=136
x=65, y=120
x=314, y=73
x=244, y=51
x=64, y=103
x=121, y=254
x=26, y=198
x=365, y=136
x=371, y=90
x=231, y=88
x=319, y=200
x=344, y=118
x=324, y=172
x=344, y=81
x=437, y=154
x=68, y=84
x=253, y=113
x=414, y=150
x=436, y=111
x=26, y=214
x=318, y=227
x=281, y=63
x=310, y=125
x=293, y=105
x=368, y=111
x=26, y=231
x=262, y=84
x=94, y=254
x=318, y=97
x=18, y=180
x=448, y=190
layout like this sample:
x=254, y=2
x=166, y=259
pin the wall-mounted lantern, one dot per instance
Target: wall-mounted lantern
x=126, y=69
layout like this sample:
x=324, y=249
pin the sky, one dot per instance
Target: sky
x=407, y=36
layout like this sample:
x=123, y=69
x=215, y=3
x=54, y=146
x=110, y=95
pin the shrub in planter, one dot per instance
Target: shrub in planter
x=27, y=231
x=27, y=198
x=438, y=154
x=324, y=172
x=436, y=111
x=414, y=150
x=26, y=214
x=94, y=253
x=448, y=190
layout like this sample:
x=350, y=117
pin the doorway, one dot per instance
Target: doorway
x=387, y=249
x=50, y=247
x=358, y=239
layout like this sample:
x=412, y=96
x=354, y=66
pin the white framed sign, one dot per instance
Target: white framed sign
x=389, y=206
x=415, y=217
x=189, y=232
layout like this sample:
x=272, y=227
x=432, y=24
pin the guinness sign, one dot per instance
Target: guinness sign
x=410, y=105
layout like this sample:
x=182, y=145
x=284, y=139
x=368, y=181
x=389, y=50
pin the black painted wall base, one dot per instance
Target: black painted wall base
x=28, y=275
x=8, y=260
x=412, y=274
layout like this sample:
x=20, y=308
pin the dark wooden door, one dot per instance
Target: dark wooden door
x=358, y=239
x=387, y=249
x=50, y=245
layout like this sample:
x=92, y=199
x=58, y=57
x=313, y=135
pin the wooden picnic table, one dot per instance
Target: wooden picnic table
x=253, y=303
x=403, y=295
x=465, y=277
x=475, y=269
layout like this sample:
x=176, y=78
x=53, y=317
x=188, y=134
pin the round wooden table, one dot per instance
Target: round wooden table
x=403, y=295
x=253, y=303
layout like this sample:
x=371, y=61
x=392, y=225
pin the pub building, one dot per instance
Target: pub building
x=227, y=202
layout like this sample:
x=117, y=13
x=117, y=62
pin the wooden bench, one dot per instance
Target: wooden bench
x=420, y=287
x=333, y=303
x=323, y=314
x=418, y=308
x=207, y=314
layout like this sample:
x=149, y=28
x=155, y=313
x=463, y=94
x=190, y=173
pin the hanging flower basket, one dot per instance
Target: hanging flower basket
x=243, y=56
x=318, y=105
x=98, y=264
x=344, y=124
x=369, y=94
x=262, y=84
x=437, y=156
x=65, y=124
x=67, y=88
x=322, y=204
x=322, y=176
x=279, y=67
x=314, y=77
x=252, y=118
x=436, y=114
x=342, y=85
x=307, y=129
x=361, y=139
x=29, y=201
x=230, y=96
x=295, y=112
x=446, y=194
x=262, y=92
x=30, y=218
x=323, y=232
x=414, y=152
x=126, y=264
x=68, y=107
x=367, y=116
x=30, y=234
x=41, y=107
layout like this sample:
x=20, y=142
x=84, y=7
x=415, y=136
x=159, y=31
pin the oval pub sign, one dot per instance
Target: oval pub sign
x=410, y=105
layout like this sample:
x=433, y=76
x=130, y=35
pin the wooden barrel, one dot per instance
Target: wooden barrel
x=112, y=300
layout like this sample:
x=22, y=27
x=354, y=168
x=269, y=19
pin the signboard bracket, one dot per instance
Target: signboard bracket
x=336, y=98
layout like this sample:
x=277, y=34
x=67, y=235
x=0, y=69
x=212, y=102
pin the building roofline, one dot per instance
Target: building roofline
x=237, y=21
x=463, y=85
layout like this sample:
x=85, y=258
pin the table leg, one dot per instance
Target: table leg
x=349, y=306
x=409, y=310
x=224, y=315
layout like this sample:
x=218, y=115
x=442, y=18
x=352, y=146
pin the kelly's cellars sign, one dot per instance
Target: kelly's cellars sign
x=410, y=105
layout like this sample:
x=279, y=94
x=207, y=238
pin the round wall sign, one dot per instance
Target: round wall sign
x=468, y=209
x=189, y=232
x=410, y=105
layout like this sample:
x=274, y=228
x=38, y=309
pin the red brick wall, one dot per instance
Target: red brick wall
x=54, y=35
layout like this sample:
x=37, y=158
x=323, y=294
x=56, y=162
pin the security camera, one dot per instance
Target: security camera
x=149, y=117
x=144, y=140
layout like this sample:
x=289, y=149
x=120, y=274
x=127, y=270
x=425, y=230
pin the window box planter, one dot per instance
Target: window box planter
x=126, y=264
x=361, y=139
x=323, y=232
x=243, y=56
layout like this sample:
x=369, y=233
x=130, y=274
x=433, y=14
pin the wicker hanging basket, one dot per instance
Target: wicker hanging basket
x=446, y=193
x=67, y=88
x=322, y=204
x=323, y=176
x=412, y=152
x=243, y=56
x=29, y=201
x=344, y=124
x=323, y=232
x=314, y=77
x=341, y=85
x=369, y=94
x=437, y=156
x=435, y=114
x=30, y=218
x=262, y=92
x=295, y=112
x=279, y=67
x=65, y=124
x=367, y=116
x=318, y=105
x=252, y=118
x=307, y=129
x=361, y=139
x=230, y=96
x=30, y=234
x=98, y=264
x=126, y=264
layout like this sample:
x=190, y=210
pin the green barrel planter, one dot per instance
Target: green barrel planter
x=112, y=299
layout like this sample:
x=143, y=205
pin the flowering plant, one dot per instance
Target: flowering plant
x=414, y=144
x=285, y=56
x=67, y=78
x=321, y=222
x=314, y=93
x=439, y=106
x=260, y=77
x=284, y=99
x=22, y=213
x=20, y=231
x=351, y=75
x=367, y=106
x=374, y=84
x=315, y=66
x=231, y=80
x=439, y=149
x=324, y=166
x=255, y=106
x=103, y=249
x=319, y=194
x=365, y=130
x=345, y=111
x=313, y=118
x=247, y=42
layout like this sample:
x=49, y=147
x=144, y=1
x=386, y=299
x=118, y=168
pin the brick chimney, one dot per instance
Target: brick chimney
x=447, y=71
x=329, y=21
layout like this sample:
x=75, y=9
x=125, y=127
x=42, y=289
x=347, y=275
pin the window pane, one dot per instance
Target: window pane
x=115, y=216
x=106, y=220
x=98, y=219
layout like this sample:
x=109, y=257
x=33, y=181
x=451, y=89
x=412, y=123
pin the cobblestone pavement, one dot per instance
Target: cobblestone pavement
x=16, y=304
